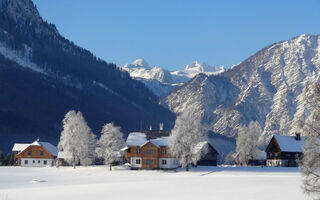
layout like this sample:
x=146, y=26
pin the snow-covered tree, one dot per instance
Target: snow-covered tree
x=110, y=143
x=248, y=143
x=77, y=139
x=310, y=165
x=230, y=159
x=187, y=133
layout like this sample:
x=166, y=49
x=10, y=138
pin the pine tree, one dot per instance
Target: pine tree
x=9, y=161
x=188, y=132
x=1, y=159
x=110, y=143
x=77, y=139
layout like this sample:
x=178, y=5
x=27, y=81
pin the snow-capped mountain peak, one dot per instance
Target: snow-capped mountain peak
x=267, y=87
x=202, y=67
x=138, y=64
x=141, y=70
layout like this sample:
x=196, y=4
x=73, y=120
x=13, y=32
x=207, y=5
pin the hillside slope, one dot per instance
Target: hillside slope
x=267, y=87
x=43, y=75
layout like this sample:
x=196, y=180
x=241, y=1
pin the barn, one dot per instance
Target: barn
x=284, y=150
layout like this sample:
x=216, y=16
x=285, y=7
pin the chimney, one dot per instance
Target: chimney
x=161, y=126
x=298, y=136
x=150, y=128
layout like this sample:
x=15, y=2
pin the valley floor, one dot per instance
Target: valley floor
x=94, y=183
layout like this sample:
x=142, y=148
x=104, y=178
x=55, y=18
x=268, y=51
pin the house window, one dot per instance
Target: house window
x=39, y=161
x=29, y=153
x=164, y=151
x=138, y=151
x=33, y=161
x=149, y=162
x=44, y=162
x=276, y=154
x=149, y=151
x=164, y=162
x=41, y=153
x=25, y=162
x=138, y=161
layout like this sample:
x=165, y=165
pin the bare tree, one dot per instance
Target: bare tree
x=247, y=143
x=310, y=165
x=187, y=133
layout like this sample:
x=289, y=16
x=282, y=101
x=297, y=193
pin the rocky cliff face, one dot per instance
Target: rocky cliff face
x=267, y=87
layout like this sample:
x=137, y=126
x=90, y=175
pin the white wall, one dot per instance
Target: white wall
x=274, y=163
x=36, y=162
x=171, y=163
x=133, y=162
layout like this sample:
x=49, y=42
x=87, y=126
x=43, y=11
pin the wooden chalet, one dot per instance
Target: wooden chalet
x=284, y=150
x=36, y=154
x=149, y=150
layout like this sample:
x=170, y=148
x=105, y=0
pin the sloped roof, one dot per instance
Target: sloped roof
x=260, y=155
x=201, y=145
x=289, y=143
x=140, y=139
x=52, y=149
x=136, y=139
x=19, y=147
x=48, y=146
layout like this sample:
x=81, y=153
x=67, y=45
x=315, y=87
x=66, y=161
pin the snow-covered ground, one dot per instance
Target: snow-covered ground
x=93, y=183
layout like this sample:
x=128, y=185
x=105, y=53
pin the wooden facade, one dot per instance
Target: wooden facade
x=278, y=156
x=149, y=150
x=36, y=154
x=149, y=153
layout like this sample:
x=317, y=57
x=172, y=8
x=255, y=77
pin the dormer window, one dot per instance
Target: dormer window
x=41, y=153
x=29, y=153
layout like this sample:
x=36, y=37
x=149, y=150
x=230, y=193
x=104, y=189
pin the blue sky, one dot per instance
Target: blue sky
x=173, y=33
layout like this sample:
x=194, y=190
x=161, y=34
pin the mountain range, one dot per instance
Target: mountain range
x=44, y=75
x=161, y=81
x=267, y=87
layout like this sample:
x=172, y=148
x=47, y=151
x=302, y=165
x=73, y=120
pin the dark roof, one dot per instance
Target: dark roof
x=154, y=134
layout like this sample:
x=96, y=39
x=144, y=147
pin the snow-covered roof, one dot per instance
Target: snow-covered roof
x=136, y=139
x=289, y=143
x=161, y=141
x=200, y=146
x=48, y=146
x=52, y=149
x=20, y=147
x=260, y=155
x=140, y=139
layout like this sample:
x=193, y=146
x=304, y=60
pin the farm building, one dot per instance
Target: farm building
x=36, y=154
x=284, y=150
x=149, y=150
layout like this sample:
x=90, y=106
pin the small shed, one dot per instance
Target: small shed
x=209, y=154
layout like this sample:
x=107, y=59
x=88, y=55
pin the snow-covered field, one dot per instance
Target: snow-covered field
x=93, y=183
